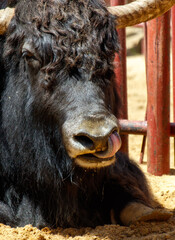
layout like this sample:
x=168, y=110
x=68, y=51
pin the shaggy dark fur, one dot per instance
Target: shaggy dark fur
x=73, y=46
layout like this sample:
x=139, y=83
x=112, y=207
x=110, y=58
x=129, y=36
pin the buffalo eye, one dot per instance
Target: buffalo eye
x=30, y=58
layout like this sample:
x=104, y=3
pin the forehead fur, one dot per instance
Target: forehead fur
x=70, y=33
x=44, y=12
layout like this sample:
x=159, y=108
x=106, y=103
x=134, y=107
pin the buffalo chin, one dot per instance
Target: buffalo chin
x=89, y=162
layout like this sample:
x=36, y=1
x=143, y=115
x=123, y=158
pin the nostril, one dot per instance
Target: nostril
x=85, y=141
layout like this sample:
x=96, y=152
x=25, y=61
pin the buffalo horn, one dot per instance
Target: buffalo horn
x=127, y=15
x=140, y=11
x=5, y=18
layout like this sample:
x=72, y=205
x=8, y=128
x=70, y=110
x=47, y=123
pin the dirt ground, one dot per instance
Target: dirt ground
x=163, y=187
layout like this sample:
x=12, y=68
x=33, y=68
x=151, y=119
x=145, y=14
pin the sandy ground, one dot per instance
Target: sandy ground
x=163, y=187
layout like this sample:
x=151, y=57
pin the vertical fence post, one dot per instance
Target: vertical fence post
x=145, y=53
x=158, y=86
x=120, y=72
x=173, y=53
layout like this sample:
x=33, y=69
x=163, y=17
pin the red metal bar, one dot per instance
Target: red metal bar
x=158, y=85
x=173, y=53
x=142, y=152
x=133, y=127
x=139, y=127
x=120, y=72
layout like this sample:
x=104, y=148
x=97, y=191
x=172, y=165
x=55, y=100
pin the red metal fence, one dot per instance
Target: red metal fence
x=157, y=127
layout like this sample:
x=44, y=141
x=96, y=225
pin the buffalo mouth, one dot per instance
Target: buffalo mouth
x=104, y=158
x=91, y=161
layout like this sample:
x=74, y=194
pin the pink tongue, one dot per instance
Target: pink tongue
x=114, y=144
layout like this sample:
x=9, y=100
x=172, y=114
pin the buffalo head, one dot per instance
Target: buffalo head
x=63, y=61
x=62, y=52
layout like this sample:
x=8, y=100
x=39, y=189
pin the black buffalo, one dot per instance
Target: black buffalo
x=58, y=125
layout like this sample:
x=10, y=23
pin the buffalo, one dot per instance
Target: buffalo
x=60, y=163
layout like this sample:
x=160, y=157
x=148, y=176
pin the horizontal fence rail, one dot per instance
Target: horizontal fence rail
x=139, y=127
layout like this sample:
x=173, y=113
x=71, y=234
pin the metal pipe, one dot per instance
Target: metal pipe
x=139, y=127
x=121, y=79
x=142, y=152
x=132, y=127
x=158, y=88
x=173, y=53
